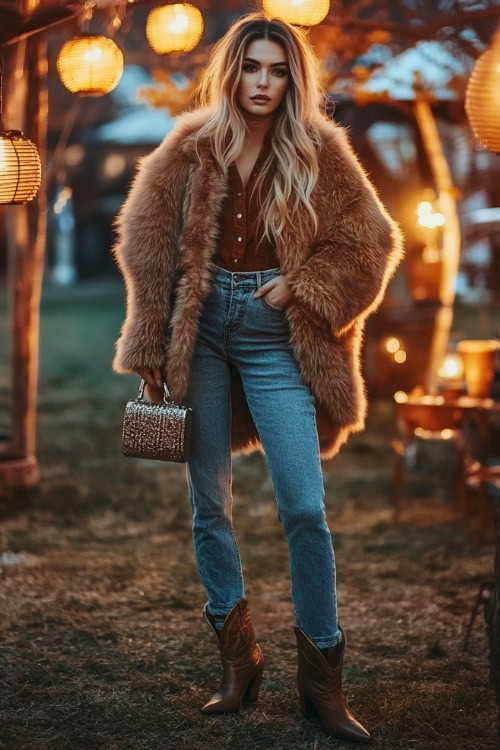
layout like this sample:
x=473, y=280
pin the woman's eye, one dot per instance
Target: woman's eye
x=249, y=65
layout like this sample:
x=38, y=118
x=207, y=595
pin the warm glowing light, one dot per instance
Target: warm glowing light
x=446, y=434
x=114, y=165
x=424, y=208
x=63, y=197
x=452, y=367
x=482, y=102
x=400, y=356
x=174, y=28
x=430, y=254
x=400, y=397
x=298, y=12
x=427, y=217
x=427, y=221
x=479, y=358
x=74, y=154
x=90, y=65
x=20, y=168
x=3, y=156
x=94, y=54
x=392, y=344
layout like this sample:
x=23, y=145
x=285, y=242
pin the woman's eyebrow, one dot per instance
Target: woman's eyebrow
x=250, y=59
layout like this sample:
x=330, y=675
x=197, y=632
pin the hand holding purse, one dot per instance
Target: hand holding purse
x=157, y=430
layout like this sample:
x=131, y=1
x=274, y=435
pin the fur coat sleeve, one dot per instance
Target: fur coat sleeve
x=355, y=252
x=146, y=240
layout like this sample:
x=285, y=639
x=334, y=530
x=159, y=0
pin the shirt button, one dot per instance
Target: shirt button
x=239, y=216
x=239, y=239
x=239, y=193
x=235, y=260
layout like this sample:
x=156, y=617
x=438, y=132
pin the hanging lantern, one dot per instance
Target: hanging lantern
x=174, y=28
x=90, y=65
x=482, y=102
x=20, y=168
x=298, y=12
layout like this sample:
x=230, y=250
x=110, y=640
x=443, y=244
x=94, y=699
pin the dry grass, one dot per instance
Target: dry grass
x=102, y=639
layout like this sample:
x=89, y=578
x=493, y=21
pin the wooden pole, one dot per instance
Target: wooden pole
x=27, y=110
x=450, y=233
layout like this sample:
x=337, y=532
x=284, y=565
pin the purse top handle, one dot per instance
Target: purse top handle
x=167, y=398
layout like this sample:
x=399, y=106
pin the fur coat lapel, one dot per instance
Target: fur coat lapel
x=167, y=236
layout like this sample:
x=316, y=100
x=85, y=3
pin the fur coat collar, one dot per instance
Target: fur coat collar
x=167, y=236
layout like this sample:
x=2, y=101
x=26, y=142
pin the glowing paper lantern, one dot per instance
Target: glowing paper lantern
x=482, y=100
x=174, y=28
x=298, y=12
x=20, y=168
x=90, y=65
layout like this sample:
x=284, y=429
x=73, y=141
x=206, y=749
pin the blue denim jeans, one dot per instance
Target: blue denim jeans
x=254, y=336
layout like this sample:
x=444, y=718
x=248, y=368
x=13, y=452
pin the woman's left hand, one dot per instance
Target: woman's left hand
x=276, y=291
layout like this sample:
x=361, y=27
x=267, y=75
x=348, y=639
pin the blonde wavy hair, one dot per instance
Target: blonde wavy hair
x=296, y=137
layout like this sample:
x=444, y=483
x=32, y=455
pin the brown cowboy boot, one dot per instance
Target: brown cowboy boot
x=319, y=678
x=242, y=660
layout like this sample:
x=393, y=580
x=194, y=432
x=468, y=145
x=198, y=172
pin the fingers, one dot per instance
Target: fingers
x=147, y=374
x=265, y=288
x=152, y=376
x=158, y=377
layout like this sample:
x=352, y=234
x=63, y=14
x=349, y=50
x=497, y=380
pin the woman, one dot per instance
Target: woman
x=253, y=247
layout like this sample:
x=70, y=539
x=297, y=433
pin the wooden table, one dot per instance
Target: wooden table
x=435, y=416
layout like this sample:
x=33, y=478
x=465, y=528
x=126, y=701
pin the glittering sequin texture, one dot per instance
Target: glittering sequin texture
x=157, y=430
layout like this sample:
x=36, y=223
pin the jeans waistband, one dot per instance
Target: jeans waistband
x=243, y=278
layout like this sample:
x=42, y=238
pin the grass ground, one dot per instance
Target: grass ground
x=102, y=642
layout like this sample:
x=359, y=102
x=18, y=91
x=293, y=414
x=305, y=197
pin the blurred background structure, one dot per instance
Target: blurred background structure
x=396, y=76
x=90, y=86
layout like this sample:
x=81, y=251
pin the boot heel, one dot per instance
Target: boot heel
x=251, y=694
x=306, y=705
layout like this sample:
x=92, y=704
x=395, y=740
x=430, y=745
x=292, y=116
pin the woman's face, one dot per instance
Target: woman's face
x=264, y=71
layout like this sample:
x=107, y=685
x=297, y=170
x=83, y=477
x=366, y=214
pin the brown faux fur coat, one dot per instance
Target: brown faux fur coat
x=167, y=235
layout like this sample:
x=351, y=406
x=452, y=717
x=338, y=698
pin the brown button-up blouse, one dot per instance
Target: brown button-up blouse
x=240, y=226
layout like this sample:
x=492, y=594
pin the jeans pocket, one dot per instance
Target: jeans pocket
x=269, y=306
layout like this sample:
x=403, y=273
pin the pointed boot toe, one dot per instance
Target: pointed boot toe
x=319, y=679
x=242, y=661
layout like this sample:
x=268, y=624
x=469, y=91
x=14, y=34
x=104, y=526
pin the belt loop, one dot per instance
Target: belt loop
x=259, y=280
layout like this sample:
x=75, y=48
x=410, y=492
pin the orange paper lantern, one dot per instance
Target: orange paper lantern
x=482, y=100
x=90, y=65
x=174, y=28
x=20, y=168
x=305, y=13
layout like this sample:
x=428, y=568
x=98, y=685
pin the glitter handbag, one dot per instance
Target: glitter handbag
x=157, y=430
